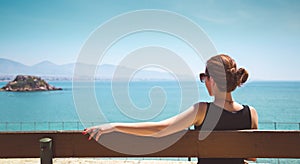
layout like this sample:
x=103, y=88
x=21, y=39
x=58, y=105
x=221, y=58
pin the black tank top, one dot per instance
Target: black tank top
x=228, y=121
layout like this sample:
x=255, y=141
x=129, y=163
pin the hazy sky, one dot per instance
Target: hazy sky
x=261, y=35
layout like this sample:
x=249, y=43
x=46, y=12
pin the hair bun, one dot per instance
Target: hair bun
x=232, y=70
x=241, y=76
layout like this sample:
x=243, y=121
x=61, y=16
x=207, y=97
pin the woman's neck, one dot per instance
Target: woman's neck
x=225, y=101
x=223, y=97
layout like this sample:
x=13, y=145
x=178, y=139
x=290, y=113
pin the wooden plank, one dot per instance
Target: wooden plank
x=260, y=144
x=223, y=144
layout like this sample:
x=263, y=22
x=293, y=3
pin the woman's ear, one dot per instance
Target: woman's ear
x=213, y=86
x=212, y=82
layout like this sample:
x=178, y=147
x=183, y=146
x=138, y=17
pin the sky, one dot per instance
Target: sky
x=261, y=35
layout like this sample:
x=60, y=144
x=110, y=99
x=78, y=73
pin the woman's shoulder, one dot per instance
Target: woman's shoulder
x=254, y=118
x=252, y=110
x=201, y=107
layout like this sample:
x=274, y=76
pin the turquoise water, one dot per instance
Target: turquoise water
x=277, y=104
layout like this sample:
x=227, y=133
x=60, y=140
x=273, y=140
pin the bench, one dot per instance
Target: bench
x=221, y=144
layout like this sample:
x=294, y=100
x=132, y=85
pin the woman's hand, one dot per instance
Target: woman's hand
x=98, y=130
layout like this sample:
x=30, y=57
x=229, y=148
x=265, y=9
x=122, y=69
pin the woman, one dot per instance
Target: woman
x=221, y=77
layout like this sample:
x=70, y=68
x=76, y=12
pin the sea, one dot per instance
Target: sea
x=276, y=102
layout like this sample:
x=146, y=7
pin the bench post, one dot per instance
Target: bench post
x=46, y=150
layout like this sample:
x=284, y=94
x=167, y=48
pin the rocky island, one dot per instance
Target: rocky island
x=25, y=83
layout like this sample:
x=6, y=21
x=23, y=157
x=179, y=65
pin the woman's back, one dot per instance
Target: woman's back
x=237, y=120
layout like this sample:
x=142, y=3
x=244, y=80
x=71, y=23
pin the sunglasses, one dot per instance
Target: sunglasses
x=203, y=77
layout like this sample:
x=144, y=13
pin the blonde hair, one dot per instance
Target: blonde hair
x=222, y=68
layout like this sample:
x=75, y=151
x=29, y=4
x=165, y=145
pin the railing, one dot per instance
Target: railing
x=279, y=125
x=38, y=126
x=34, y=126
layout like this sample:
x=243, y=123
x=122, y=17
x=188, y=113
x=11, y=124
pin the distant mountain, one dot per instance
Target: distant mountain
x=9, y=67
x=45, y=68
x=52, y=71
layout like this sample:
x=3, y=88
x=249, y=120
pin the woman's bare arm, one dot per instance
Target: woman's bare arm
x=155, y=129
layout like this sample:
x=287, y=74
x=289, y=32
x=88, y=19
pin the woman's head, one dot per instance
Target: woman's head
x=224, y=72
